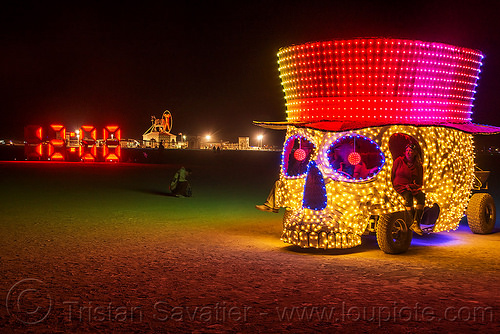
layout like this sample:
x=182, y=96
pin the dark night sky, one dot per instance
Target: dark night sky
x=212, y=64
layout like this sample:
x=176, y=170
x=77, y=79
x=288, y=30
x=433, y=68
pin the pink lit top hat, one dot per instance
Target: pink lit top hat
x=343, y=85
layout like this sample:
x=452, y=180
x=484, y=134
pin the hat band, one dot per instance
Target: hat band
x=383, y=109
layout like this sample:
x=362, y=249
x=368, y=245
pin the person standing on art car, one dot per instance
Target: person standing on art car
x=180, y=186
x=407, y=179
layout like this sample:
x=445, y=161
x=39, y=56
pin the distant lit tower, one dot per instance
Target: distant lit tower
x=159, y=131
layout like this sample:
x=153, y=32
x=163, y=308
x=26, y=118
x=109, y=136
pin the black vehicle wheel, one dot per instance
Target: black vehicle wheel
x=393, y=234
x=481, y=213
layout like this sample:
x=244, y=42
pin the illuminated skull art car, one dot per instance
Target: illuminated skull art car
x=352, y=107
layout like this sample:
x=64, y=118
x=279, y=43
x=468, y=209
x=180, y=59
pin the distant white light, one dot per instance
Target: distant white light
x=259, y=138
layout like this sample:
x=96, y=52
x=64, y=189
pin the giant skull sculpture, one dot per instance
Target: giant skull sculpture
x=328, y=208
x=351, y=104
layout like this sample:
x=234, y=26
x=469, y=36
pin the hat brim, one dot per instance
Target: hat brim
x=337, y=126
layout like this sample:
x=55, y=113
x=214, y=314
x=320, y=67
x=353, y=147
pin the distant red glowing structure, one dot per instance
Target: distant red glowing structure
x=111, y=149
x=56, y=147
x=33, y=147
x=33, y=134
x=88, y=143
x=55, y=143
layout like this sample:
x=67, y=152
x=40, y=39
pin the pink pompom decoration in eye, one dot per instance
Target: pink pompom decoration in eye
x=354, y=158
x=299, y=154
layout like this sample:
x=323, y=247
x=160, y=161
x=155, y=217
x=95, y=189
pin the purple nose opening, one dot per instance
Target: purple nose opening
x=314, y=190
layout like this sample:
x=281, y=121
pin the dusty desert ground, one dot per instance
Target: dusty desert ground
x=104, y=248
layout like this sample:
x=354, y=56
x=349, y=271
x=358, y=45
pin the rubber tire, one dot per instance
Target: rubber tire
x=481, y=213
x=393, y=234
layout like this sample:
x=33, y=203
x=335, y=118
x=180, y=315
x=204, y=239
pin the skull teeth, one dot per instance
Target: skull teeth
x=301, y=217
x=325, y=240
x=317, y=229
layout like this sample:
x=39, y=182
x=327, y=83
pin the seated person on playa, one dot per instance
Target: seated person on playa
x=180, y=186
x=407, y=179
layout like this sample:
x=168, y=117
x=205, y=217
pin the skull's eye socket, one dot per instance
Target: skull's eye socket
x=355, y=157
x=296, y=155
